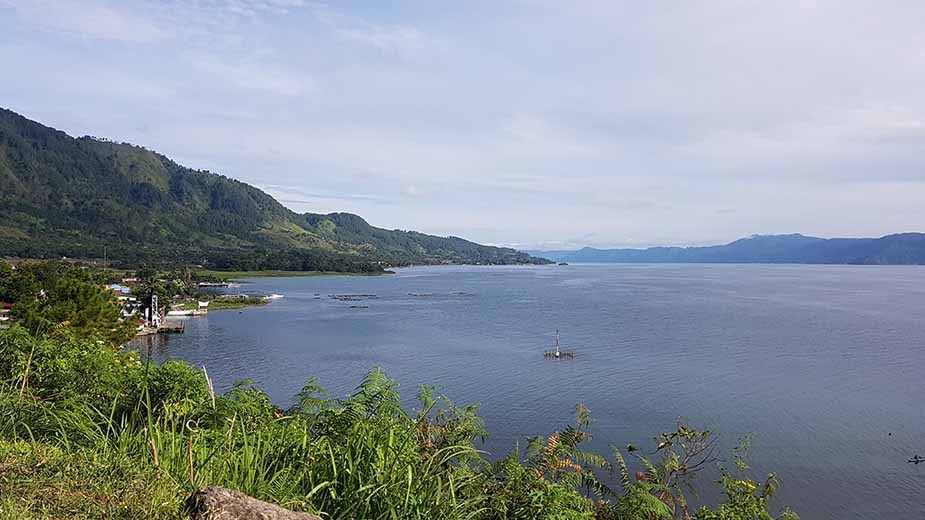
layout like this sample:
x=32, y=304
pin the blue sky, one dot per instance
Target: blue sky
x=533, y=123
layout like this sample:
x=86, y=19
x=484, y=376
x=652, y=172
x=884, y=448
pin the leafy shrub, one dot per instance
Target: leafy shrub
x=65, y=367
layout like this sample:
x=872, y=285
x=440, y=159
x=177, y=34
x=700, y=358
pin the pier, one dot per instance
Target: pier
x=171, y=327
x=168, y=327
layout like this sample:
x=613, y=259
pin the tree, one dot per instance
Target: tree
x=54, y=298
x=148, y=287
x=6, y=281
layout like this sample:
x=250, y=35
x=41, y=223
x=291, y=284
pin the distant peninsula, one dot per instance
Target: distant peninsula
x=897, y=249
x=94, y=198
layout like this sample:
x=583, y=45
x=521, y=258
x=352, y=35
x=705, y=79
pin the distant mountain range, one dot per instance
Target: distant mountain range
x=94, y=198
x=903, y=248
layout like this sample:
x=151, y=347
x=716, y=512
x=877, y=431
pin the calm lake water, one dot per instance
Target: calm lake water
x=823, y=364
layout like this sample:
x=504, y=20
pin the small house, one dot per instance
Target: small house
x=119, y=289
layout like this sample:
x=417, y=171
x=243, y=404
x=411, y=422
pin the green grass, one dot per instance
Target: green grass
x=361, y=459
x=42, y=481
x=224, y=304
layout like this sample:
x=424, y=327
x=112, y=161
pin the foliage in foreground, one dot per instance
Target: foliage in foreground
x=87, y=429
x=42, y=481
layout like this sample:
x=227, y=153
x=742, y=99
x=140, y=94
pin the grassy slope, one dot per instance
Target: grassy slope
x=40, y=481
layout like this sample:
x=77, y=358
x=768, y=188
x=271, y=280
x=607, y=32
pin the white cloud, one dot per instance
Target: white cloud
x=603, y=122
x=90, y=20
x=535, y=136
x=251, y=76
x=398, y=38
x=403, y=40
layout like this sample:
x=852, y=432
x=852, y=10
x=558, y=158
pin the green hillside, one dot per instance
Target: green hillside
x=92, y=198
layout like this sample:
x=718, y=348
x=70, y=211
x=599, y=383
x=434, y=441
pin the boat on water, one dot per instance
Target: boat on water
x=557, y=353
x=273, y=296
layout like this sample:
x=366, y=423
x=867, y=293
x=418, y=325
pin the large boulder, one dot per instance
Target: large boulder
x=217, y=503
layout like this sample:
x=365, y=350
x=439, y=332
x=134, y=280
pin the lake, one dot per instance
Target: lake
x=823, y=364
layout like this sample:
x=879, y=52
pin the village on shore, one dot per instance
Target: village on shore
x=157, y=302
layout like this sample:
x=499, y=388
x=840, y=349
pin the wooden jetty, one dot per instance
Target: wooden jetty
x=167, y=327
x=557, y=353
x=170, y=327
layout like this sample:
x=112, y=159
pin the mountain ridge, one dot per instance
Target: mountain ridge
x=894, y=249
x=96, y=198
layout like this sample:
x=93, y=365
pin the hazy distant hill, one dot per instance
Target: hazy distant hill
x=87, y=197
x=904, y=248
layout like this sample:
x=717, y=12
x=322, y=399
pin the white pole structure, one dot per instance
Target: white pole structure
x=155, y=315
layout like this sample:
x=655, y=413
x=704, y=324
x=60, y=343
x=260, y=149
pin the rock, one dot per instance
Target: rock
x=216, y=503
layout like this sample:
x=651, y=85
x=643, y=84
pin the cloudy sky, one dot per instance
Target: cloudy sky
x=531, y=123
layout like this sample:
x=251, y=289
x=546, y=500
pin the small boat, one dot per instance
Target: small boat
x=558, y=354
x=563, y=263
x=916, y=460
x=273, y=296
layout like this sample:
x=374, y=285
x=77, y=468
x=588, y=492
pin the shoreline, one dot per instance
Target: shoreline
x=215, y=305
x=225, y=303
x=238, y=275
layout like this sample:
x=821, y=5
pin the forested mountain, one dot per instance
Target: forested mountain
x=92, y=198
x=904, y=248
